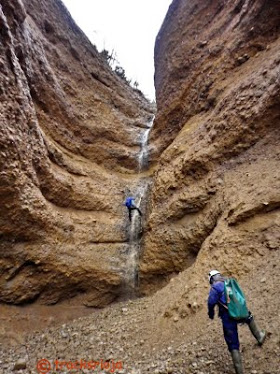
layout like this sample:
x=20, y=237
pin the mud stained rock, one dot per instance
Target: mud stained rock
x=69, y=145
x=215, y=139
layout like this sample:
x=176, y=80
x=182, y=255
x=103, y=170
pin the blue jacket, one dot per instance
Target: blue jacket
x=217, y=296
x=129, y=202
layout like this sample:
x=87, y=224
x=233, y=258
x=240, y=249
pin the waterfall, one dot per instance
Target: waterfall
x=143, y=154
x=131, y=273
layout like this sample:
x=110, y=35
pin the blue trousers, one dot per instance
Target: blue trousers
x=230, y=327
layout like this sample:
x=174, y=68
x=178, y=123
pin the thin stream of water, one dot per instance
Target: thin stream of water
x=143, y=154
x=136, y=221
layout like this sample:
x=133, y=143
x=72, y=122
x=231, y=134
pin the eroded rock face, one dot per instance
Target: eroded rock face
x=69, y=142
x=215, y=200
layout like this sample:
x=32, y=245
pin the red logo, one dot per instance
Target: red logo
x=44, y=366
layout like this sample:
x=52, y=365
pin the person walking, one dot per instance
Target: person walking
x=230, y=326
x=130, y=204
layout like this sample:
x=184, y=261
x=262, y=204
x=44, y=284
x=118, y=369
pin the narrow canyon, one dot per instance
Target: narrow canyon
x=202, y=163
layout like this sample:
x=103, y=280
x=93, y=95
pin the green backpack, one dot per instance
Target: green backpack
x=236, y=302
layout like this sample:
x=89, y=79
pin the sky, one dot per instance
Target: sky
x=127, y=27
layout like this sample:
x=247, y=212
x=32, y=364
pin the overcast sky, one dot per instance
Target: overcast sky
x=129, y=27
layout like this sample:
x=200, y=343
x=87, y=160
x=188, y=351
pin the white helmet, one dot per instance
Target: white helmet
x=212, y=273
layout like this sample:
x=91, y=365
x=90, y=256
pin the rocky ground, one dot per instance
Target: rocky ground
x=147, y=339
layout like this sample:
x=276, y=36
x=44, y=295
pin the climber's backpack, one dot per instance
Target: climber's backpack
x=236, y=302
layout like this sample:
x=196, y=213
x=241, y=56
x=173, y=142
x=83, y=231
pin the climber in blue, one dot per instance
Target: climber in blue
x=130, y=204
x=217, y=297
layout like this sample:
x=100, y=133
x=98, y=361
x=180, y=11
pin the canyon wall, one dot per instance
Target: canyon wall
x=69, y=149
x=69, y=145
x=215, y=142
